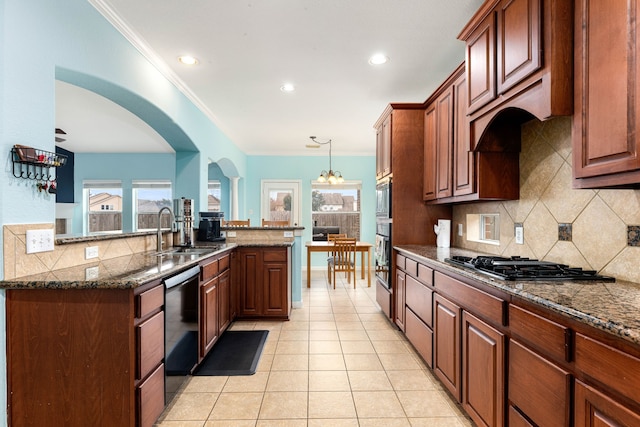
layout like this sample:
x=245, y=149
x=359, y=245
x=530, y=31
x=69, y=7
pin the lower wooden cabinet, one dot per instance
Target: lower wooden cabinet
x=215, y=301
x=264, y=282
x=538, y=388
x=225, y=302
x=483, y=366
x=446, y=344
x=595, y=409
x=399, y=298
x=209, y=329
x=420, y=336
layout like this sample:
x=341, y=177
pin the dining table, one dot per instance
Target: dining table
x=325, y=246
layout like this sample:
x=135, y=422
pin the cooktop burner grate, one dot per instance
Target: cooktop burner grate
x=520, y=268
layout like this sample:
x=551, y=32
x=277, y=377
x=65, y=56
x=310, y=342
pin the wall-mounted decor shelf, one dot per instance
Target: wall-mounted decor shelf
x=32, y=163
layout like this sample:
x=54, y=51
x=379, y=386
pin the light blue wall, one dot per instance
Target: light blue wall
x=215, y=174
x=307, y=169
x=126, y=168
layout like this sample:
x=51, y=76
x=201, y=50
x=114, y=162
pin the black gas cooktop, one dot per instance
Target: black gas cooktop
x=518, y=268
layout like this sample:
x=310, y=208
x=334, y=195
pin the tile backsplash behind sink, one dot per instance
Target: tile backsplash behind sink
x=602, y=222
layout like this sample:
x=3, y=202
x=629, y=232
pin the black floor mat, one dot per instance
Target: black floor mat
x=235, y=353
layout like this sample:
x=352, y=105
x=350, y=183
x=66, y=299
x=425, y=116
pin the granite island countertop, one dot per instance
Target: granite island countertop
x=610, y=307
x=124, y=272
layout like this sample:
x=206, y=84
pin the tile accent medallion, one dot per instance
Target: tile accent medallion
x=564, y=232
x=633, y=235
x=593, y=229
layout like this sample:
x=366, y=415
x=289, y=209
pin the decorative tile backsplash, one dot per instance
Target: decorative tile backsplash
x=597, y=221
x=18, y=263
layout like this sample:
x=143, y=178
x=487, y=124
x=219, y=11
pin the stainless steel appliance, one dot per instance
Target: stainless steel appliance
x=384, y=247
x=183, y=213
x=181, y=328
x=209, y=227
x=524, y=269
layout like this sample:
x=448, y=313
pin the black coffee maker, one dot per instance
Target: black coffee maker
x=209, y=227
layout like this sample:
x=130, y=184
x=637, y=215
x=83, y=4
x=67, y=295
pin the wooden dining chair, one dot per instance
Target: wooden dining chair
x=343, y=259
x=331, y=238
x=268, y=223
x=238, y=223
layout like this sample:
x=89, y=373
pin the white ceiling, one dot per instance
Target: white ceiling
x=248, y=49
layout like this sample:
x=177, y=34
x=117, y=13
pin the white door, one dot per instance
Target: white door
x=281, y=200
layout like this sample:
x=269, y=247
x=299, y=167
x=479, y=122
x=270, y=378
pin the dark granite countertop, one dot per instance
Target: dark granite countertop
x=611, y=307
x=123, y=272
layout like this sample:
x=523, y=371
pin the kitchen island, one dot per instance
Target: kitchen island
x=552, y=353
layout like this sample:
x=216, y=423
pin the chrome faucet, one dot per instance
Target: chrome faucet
x=159, y=239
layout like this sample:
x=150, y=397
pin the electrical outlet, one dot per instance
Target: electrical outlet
x=231, y=234
x=39, y=240
x=288, y=234
x=91, y=252
x=519, y=234
x=91, y=273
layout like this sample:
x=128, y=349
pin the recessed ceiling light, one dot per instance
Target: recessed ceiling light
x=378, y=59
x=287, y=87
x=188, y=60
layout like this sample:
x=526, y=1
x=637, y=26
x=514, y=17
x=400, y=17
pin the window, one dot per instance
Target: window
x=148, y=198
x=103, y=206
x=281, y=201
x=213, y=196
x=337, y=206
x=483, y=228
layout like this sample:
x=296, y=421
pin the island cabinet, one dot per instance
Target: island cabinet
x=518, y=56
x=215, y=300
x=81, y=357
x=607, y=99
x=264, y=282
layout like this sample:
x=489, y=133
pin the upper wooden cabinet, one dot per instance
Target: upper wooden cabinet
x=518, y=55
x=383, y=148
x=607, y=101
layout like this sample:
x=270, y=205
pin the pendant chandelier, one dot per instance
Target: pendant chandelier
x=332, y=177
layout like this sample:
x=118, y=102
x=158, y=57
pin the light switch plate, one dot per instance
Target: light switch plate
x=460, y=230
x=91, y=273
x=519, y=234
x=288, y=234
x=231, y=234
x=39, y=240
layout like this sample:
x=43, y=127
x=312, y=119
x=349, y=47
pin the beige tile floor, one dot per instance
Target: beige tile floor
x=338, y=362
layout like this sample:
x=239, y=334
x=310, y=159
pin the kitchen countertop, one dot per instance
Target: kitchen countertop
x=611, y=307
x=123, y=272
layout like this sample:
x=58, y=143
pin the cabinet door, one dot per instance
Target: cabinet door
x=224, y=301
x=379, y=152
x=519, y=41
x=482, y=372
x=208, y=315
x=274, y=282
x=399, y=291
x=480, y=59
x=386, y=163
x=594, y=409
x=605, y=121
x=430, y=141
x=538, y=388
x=250, y=301
x=444, y=144
x=446, y=352
x=463, y=164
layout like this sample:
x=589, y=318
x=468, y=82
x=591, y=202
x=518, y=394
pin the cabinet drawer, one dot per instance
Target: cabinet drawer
x=149, y=301
x=593, y=408
x=420, y=336
x=223, y=263
x=150, y=345
x=549, y=337
x=400, y=261
x=516, y=419
x=478, y=302
x=274, y=255
x=411, y=267
x=419, y=298
x=425, y=274
x=608, y=365
x=210, y=270
x=540, y=389
x=150, y=398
